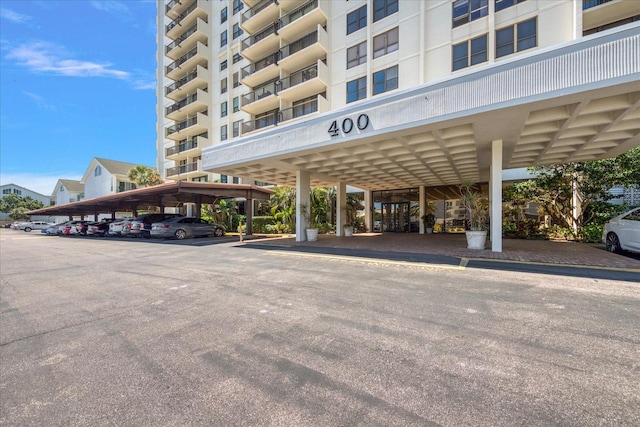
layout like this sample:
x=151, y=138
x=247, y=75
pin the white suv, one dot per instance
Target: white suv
x=33, y=225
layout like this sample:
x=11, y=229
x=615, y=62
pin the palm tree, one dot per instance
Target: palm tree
x=144, y=176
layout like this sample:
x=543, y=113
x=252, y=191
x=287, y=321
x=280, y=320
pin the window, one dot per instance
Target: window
x=97, y=171
x=199, y=179
x=356, y=89
x=503, y=4
x=223, y=109
x=385, y=80
x=237, y=6
x=224, y=179
x=237, y=57
x=236, y=79
x=357, y=19
x=223, y=85
x=223, y=38
x=305, y=106
x=6, y=191
x=237, y=31
x=468, y=10
x=126, y=186
x=469, y=52
x=384, y=8
x=223, y=133
x=236, y=128
x=223, y=65
x=516, y=38
x=17, y=192
x=236, y=180
x=236, y=104
x=61, y=188
x=223, y=15
x=357, y=55
x=385, y=43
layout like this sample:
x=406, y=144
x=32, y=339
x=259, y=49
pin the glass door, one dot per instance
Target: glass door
x=396, y=217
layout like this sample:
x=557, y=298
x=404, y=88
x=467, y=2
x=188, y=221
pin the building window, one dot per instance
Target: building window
x=224, y=179
x=237, y=6
x=236, y=104
x=356, y=89
x=384, y=8
x=469, y=10
x=237, y=31
x=357, y=19
x=236, y=128
x=223, y=109
x=503, y=4
x=305, y=106
x=237, y=57
x=223, y=133
x=385, y=80
x=61, y=188
x=385, y=43
x=469, y=52
x=6, y=191
x=357, y=55
x=126, y=186
x=516, y=38
x=199, y=179
x=223, y=38
x=97, y=171
x=223, y=65
x=223, y=85
x=236, y=79
x=17, y=192
x=236, y=180
x=223, y=15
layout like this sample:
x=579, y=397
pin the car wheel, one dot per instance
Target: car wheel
x=219, y=232
x=27, y=229
x=613, y=243
x=181, y=234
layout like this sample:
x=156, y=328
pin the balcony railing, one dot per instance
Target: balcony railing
x=171, y=5
x=178, y=84
x=183, y=15
x=259, y=65
x=182, y=38
x=269, y=119
x=262, y=34
x=258, y=8
x=184, y=145
x=259, y=93
x=588, y=4
x=298, y=13
x=180, y=104
x=189, y=167
x=299, y=77
x=299, y=44
x=182, y=125
x=184, y=58
x=299, y=110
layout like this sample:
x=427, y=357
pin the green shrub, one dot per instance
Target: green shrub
x=259, y=224
x=592, y=233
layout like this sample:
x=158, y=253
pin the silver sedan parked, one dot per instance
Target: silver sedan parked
x=183, y=227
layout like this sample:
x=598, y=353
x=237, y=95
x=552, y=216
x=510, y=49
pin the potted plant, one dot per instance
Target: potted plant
x=476, y=212
x=348, y=230
x=429, y=219
x=312, y=227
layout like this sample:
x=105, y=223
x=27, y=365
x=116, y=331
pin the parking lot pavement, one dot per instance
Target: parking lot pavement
x=105, y=332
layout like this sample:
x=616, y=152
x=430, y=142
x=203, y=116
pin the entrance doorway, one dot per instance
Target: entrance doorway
x=396, y=217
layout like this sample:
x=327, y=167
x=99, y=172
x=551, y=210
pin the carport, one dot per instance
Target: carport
x=171, y=194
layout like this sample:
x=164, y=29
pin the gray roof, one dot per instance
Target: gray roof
x=117, y=168
x=72, y=185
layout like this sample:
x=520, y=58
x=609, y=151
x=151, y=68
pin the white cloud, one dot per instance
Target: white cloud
x=43, y=57
x=12, y=16
x=110, y=6
x=40, y=102
x=40, y=183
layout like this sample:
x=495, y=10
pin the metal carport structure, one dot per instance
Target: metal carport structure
x=171, y=194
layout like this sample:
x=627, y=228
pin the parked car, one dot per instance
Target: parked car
x=184, y=227
x=74, y=227
x=115, y=228
x=33, y=225
x=622, y=233
x=52, y=229
x=141, y=226
x=99, y=228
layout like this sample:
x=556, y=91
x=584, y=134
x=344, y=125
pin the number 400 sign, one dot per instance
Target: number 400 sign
x=347, y=125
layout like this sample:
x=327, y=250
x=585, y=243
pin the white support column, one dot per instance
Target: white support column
x=303, y=185
x=422, y=204
x=368, y=210
x=495, y=194
x=341, y=204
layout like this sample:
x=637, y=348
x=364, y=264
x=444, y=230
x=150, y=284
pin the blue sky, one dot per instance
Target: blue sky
x=77, y=81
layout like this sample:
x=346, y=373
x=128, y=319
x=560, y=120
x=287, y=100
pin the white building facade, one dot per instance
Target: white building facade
x=404, y=99
x=18, y=190
x=104, y=176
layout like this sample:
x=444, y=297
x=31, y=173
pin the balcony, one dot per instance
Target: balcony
x=304, y=51
x=182, y=148
x=296, y=23
x=186, y=19
x=174, y=8
x=264, y=121
x=199, y=55
x=263, y=13
x=261, y=44
x=598, y=13
x=305, y=82
x=195, y=125
x=261, y=99
x=183, y=169
x=260, y=71
x=196, y=79
x=188, y=39
x=188, y=106
x=317, y=104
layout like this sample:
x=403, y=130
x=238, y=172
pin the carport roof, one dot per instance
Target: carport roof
x=170, y=194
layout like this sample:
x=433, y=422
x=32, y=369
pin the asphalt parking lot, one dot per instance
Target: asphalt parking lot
x=111, y=332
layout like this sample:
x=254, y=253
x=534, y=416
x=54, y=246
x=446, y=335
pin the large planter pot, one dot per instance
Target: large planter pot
x=348, y=231
x=429, y=230
x=476, y=239
x=312, y=234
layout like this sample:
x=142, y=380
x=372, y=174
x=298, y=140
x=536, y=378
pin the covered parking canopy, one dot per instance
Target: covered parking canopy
x=171, y=194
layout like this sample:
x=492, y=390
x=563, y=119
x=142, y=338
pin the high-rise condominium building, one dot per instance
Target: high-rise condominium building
x=398, y=97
